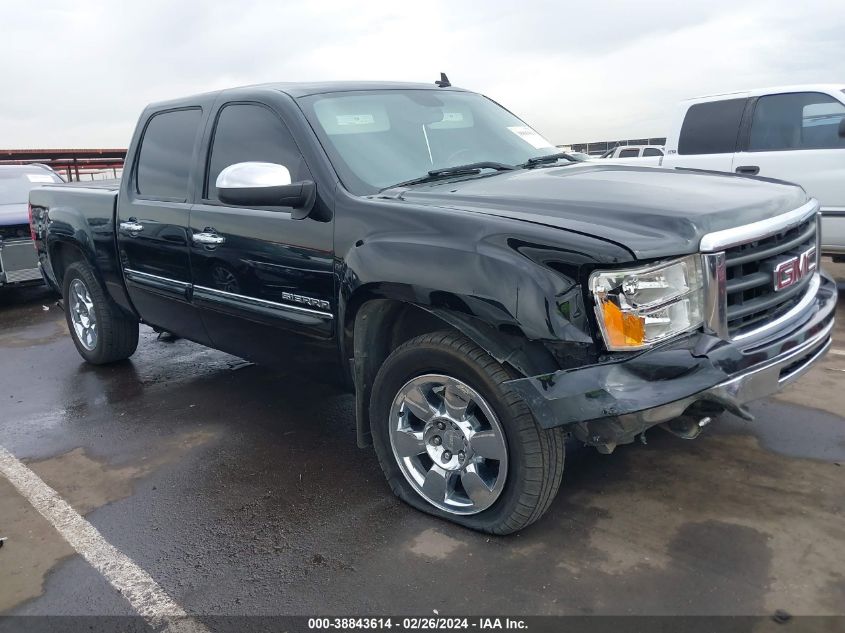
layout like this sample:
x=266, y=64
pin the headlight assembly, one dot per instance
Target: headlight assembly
x=640, y=307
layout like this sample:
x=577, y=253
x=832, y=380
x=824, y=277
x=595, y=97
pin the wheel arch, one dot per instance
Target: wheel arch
x=376, y=321
x=62, y=253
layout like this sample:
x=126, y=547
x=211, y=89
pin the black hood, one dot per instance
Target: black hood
x=652, y=212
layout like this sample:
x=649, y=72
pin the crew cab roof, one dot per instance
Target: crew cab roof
x=304, y=89
x=297, y=90
x=756, y=92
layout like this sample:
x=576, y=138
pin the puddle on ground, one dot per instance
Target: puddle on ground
x=37, y=334
x=33, y=546
x=722, y=506
x=820, y=388
x=435, y=545
x=32, y=549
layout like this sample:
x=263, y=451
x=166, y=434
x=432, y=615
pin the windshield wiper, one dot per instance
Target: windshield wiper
x=550, y=158
x=458, y=170
x=471, y=167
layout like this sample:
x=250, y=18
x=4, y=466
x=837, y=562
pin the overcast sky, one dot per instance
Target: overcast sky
x=76, y=73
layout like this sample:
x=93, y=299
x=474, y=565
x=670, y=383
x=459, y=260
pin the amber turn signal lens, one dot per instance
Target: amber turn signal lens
x=623, y=330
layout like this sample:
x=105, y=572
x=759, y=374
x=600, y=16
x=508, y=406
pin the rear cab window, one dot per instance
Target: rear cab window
x=652, y=151
x=711, y=127
x=799, y=120
x=166, y=154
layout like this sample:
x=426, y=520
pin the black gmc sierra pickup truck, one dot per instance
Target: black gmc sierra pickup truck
x=482, y=294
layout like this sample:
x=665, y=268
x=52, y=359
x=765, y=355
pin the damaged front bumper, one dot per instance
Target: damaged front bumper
x=609, y=404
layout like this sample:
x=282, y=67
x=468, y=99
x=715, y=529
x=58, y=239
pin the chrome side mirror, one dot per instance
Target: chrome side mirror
x=254, y=184
x=253, y=175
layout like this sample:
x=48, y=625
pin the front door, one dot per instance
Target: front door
x=152, y=226
x=262, y=279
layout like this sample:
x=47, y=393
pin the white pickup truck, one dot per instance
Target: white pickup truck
x=635, y=154
x=794, y=133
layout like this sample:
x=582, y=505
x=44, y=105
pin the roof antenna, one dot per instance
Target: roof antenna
x=444, y=81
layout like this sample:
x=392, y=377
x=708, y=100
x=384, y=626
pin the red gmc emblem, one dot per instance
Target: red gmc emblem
x=790, y=272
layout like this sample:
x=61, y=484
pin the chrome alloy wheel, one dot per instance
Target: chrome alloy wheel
x=448, y=443
x=82, y=314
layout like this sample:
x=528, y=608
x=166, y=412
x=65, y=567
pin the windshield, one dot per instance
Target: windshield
x=376, y=139
x=15, y=184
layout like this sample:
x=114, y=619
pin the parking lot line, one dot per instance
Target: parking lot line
x=838, y=352
x=145, y=595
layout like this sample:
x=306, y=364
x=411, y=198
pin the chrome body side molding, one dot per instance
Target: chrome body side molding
x=262, y=306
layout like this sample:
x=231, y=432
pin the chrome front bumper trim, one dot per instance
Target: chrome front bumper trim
x=768, y=378
x=752, y=384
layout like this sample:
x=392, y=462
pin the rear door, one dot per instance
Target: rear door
x=708, y=135
x=266, y=288
x=152, y=231
x=794, y=137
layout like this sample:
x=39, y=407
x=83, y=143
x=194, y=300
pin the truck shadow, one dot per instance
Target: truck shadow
x=22, y=298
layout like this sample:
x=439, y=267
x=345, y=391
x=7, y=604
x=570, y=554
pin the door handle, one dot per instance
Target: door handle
x=131, y=226
x=209, y=239
x=748, y=170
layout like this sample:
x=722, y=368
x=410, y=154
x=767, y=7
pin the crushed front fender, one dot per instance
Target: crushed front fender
x=608, y=404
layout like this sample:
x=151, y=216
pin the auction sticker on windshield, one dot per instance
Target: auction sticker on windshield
x=355, y=119
x=530, y=136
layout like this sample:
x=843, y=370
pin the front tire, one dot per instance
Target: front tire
x=455, y=441
x=101, y=332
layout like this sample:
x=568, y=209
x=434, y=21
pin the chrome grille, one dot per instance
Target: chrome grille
x=751, y=296
x=741, y=302
x=19, y=257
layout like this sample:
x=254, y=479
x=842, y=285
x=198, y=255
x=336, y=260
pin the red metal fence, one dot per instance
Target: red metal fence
x=73, y=164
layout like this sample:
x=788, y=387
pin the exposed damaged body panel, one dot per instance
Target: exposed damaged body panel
x=609, y=404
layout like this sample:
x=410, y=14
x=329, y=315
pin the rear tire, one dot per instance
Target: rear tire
x=101, y=331
x=444, y=366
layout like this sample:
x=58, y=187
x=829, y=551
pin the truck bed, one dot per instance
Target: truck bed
x=79, y=216
x=112, y=184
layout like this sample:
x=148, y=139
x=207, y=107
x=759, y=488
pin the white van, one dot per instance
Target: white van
x=794, y=133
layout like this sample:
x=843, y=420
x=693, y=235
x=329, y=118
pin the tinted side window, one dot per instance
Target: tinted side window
x=167, y=148
x=711, y=128
x=629, y=153
x=651, y=151
x=801, y=120
x=251, y=132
